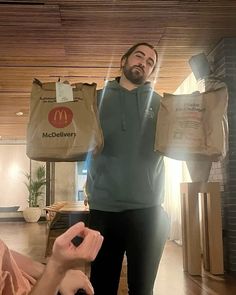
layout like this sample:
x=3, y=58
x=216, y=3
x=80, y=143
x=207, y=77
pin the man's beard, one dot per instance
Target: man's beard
x=133, y=75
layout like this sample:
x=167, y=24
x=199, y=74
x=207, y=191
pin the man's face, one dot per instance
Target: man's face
x=139, y=65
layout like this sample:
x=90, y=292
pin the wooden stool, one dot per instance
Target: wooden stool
x=211, y=227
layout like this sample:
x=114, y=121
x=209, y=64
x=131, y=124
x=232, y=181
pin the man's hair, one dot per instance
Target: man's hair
x=132, y=49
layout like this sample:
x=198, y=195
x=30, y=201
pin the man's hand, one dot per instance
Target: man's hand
x=68, y=256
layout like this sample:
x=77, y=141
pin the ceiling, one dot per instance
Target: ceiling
x=82, y=41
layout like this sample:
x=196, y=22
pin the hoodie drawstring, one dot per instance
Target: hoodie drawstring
x=123, y=120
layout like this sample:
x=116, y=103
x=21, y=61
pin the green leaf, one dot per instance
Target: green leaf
x=35, y=184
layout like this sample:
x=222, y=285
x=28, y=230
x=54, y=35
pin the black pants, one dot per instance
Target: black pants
x=141, y=234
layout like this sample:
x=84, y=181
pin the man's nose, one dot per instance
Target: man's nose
x=142, y=64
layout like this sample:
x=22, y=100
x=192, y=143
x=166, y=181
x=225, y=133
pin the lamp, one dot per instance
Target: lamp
x=200, y=66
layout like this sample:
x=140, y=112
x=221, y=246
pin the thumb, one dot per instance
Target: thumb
x=66, y=292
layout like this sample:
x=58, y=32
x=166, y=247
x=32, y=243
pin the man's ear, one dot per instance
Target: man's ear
x=122, y=63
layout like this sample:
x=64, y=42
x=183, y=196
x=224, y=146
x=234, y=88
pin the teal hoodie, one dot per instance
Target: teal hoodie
x=127, y=174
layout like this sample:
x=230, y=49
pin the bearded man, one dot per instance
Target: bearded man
x=125, y=182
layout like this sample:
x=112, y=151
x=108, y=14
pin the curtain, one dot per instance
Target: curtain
x=177, y=172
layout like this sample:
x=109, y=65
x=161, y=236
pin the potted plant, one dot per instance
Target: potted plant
x=35, y=184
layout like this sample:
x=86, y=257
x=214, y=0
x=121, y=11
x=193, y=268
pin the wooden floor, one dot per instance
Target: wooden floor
x=30, y=239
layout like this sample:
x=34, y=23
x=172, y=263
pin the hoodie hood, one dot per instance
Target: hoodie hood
x=144, y=94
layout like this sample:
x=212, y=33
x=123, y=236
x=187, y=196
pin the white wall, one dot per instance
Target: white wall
x=13, y=161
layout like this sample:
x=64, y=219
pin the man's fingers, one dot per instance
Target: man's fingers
x=98, y=247
x=75, y=230
x=86, y=251
x=91, y=244
x=88, y=288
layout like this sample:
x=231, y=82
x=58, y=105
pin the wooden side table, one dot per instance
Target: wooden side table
x=210, y=228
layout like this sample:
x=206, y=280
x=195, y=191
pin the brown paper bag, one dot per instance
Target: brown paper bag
x=63, y=131
x=193, y=126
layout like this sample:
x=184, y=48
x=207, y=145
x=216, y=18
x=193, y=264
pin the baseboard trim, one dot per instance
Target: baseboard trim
x=18, y=219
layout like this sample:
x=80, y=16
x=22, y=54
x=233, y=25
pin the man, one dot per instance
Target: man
x=18, y=272
x=126, y=181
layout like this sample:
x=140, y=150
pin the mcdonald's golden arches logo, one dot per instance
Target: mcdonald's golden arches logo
x=60, y=117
